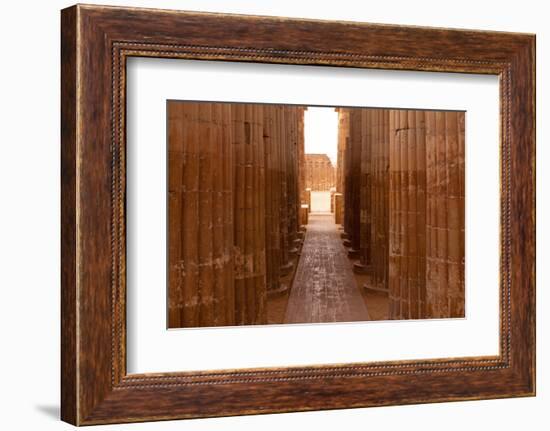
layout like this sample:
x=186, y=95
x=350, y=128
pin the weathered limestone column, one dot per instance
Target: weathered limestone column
x=292, y=183
x=304, y=214
x=249, y=219
x=308, y=199
x=338, y=203
x=302, y=157
x=347, y=194
x=200, y=229
x=347, y=172
x=445, y=214
x=380, y=199
x=366, y=192
x=407, y=287
x=301, y=167
x=286, y=263
x=272, y=198
x=353, y=185
x=343, y=133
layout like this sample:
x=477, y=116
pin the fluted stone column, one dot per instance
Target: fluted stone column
x=283, y=116
x=366, y=192
x=249, y=219
x=308, y=199
x=302, y=158
x=304, y=214
x=380, y=200
x=347, y=174
x=200, y=229
x=407, y=291
x=445, y=214
x=273, y=198
x=292, y=183
x=343, y=134
x=338, y=212
x=354, y=196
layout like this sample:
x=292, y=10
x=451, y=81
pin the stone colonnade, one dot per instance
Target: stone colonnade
x=235, y=188
x=400, y=175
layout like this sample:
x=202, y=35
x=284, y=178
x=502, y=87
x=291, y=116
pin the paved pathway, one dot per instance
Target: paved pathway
x=324, y=288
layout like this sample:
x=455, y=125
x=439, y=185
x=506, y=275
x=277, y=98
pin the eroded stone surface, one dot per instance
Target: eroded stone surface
x=324, y=288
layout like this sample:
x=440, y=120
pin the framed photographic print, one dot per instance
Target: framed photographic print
x=258, y=216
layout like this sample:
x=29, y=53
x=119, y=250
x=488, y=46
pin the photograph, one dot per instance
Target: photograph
x=307, y=214
x=285, y=214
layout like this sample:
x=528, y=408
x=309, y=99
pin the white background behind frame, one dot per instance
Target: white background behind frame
x=153, y=348
x=34, y=400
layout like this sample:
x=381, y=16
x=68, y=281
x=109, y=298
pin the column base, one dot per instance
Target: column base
x=353, y=254
x=367, y=286
x=360, y=268
x=286, y=268
x=283, y=288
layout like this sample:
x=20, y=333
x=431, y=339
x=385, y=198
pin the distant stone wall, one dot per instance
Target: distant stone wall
x=320, y=174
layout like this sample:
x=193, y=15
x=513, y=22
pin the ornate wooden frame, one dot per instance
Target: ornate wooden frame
x=95, y=43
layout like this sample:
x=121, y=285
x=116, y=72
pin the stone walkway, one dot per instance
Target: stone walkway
x=324, y=288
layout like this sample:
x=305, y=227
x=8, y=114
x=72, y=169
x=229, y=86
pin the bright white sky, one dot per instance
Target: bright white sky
x=321, y=132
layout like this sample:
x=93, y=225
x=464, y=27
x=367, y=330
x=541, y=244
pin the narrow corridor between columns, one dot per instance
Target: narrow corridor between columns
x=283, y=214
x=324, y=288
